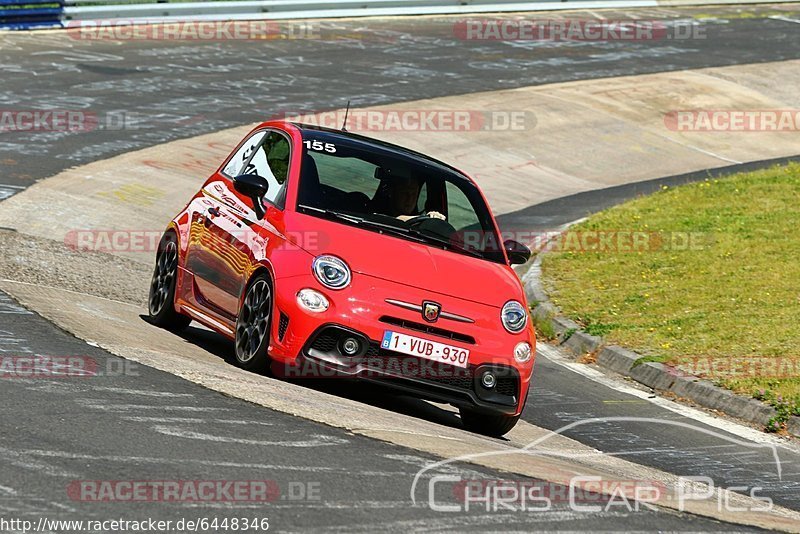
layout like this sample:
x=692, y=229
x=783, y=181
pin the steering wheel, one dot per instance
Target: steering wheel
x=414, y=222
x=432, y=226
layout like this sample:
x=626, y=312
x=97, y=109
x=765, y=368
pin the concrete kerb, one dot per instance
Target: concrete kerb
x=657, y=376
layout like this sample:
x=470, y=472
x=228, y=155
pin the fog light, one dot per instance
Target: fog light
x=488, y=380
x=351, y=346
x=312, y=300
x=522, y=352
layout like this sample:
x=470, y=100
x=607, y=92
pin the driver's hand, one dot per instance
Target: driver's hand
x=436, y=215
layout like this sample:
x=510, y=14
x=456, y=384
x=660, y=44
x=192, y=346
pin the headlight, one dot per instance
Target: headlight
x=514, y=317
x=312, y=300
x=522, y=352
x=331, y=272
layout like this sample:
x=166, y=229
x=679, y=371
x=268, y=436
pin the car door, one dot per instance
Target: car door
x=233, y=238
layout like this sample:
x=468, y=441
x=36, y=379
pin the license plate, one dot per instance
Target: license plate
x=423, y=348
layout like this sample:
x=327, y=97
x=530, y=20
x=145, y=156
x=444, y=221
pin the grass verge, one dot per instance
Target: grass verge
x=705, y=276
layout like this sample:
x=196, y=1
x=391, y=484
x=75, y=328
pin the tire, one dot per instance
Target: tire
x=161, y=301
x=487, y=424
x=253, y=326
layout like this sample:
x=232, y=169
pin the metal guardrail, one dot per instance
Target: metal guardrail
x=27, y=14
x=30, y=14
x=155, y=11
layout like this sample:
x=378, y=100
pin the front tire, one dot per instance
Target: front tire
x=253, y=326
x=487, y=424
x=161, y=301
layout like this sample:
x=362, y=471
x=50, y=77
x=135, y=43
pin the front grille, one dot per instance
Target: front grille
x=283, y=325
x=325, y=341
x=439, y=373
x=507, y=385
x=373, y=350
x=428, y=329
x=461, y=382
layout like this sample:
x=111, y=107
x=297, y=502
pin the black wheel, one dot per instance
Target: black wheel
x=253, y=324
x=487, y=424
x=161, y=303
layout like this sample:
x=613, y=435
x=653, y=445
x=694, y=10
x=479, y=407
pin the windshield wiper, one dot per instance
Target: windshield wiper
x=332, y=213
x=360, y=221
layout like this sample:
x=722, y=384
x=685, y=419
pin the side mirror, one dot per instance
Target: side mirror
x=254, y=187
x=518, y=253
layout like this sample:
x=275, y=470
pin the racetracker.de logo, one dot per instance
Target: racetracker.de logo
x=173, y=490
x=47, y=120
x=147, y=241
x=48, y=367
x=245, y=30
x=742, y=120
x=739, y=367
x=575, y=30
x=600, y=241
x=416, y=120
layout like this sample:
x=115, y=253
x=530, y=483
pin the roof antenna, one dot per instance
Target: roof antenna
x=346, y=114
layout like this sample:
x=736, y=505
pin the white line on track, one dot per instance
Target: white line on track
x=317, y=440
x=101, y=405
x=785, y=19
x=142, y=392
x=207, y=463
x=194, y=420
x=554, y=355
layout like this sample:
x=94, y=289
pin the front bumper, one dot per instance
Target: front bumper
x=307, y=344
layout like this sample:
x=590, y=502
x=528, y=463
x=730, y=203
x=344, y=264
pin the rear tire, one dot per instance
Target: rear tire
x=487, y=424
x=161, y=301
x=253, y=326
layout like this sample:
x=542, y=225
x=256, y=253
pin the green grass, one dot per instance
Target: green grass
x=735, y=293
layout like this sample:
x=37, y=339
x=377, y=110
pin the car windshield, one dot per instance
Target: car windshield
x=393, y=192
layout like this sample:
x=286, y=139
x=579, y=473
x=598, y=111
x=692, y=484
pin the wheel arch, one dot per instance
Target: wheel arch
x=264, y=267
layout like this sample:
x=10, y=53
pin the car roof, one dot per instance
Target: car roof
x=370, y=142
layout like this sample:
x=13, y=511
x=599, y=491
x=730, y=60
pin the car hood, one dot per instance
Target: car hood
x=413, y=264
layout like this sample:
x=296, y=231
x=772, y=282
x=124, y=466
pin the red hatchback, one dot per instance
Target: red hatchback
x=323, y=253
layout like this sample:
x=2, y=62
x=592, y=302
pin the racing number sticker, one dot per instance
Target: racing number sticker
x=319, y=146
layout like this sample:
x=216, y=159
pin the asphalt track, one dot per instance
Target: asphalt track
x=148, y=92
x=131, y=422
x=174, y=91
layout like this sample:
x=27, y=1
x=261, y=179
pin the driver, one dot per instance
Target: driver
x=403, y=195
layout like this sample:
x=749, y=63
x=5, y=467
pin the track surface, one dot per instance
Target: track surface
x=144, y=424
x=179, y=90
x=170, y=90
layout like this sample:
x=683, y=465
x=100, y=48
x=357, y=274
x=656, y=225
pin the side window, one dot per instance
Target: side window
x=459, y=210
x=236, y=164
x=271, y=161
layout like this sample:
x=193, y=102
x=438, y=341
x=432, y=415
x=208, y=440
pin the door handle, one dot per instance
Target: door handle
x=214, y=212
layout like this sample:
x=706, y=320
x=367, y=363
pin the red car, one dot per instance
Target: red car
x=323, y=253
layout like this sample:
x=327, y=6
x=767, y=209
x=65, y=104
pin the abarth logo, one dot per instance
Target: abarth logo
x=430, y=311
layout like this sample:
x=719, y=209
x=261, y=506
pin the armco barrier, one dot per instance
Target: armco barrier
x=298, y=9
x=30, y=14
